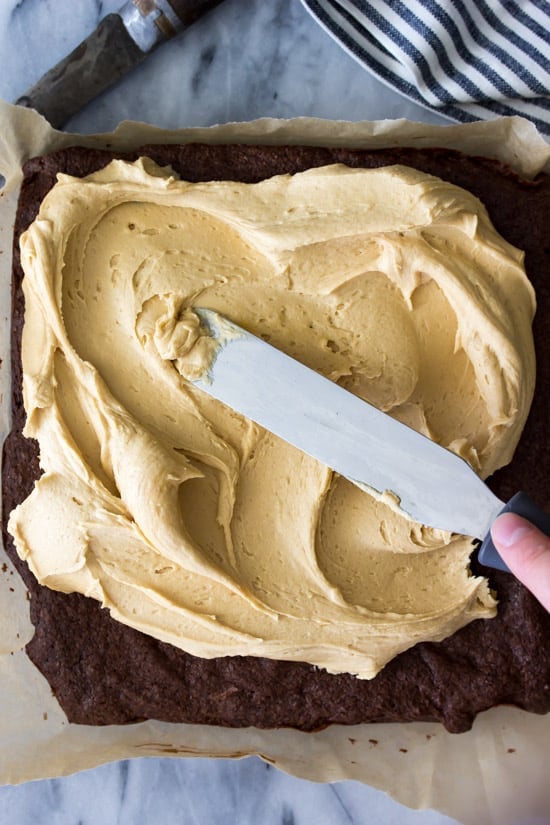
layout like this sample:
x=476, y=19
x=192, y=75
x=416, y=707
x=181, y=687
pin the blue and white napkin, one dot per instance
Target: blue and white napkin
x=466, y=59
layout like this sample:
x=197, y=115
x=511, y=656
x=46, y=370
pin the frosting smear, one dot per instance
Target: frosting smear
x=191, y=523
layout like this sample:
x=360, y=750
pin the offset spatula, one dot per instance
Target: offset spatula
x=434, y=486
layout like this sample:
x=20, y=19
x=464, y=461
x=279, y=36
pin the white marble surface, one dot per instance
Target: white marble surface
x=246, y=59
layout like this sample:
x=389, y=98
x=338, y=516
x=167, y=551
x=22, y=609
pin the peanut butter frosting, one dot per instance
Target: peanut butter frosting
x=191, y=523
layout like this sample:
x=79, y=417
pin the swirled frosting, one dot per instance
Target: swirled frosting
x=189, y=522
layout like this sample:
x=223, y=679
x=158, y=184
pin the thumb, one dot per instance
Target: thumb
x=526, y=551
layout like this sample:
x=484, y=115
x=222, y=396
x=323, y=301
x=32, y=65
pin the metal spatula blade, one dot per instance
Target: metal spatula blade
x=373, y=450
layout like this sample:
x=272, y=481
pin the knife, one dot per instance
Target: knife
x=120, y=42
x=377, y=453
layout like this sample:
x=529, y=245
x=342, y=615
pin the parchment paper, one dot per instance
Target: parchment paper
x=496, y=773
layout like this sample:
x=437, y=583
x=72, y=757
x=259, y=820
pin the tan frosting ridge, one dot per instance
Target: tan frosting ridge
x=191, y=523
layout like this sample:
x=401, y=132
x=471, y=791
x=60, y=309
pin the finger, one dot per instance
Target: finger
x=526, y=551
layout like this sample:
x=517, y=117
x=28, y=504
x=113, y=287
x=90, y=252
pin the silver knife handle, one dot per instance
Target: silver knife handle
x=150, y=22
x=99, y=61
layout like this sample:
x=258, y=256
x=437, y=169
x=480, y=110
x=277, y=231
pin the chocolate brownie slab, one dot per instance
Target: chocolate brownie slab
x=103, y=672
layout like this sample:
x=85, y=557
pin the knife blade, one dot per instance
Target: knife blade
x=119, y=43
x=376, y=452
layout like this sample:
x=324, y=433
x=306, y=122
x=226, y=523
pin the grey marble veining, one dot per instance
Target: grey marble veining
x=200, y=792
x=246, y=59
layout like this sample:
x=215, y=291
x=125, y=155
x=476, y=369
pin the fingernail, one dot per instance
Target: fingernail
x=509, y=529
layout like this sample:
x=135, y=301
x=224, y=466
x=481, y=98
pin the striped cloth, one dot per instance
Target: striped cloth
x=466, y=59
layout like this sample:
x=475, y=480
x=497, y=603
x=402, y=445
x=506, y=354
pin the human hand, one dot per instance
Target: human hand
x=526, y=551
